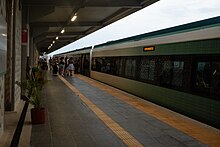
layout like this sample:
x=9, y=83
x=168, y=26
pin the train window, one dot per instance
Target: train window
x=208, y=78
x=166, y=73
x=203, y=75
x=130, y=67
x=107, y=65
x=171, y=74
x=177, y=78
x=198, y=74
x=93, y=64
x=120, y=64
x=147, y=69
x=111, y=64
x=97, y=64
x=215, y=81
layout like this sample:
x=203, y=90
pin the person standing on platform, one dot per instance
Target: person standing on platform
x=51, y=63
x=66, y=65
x=61, y=66
x=70, y=66
x=54, y=67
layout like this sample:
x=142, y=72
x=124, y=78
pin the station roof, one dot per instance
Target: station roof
x=47, y=18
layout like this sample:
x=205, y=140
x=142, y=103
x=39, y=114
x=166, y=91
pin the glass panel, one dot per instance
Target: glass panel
x=120, y=68
x=172, y=73
x=147, y=69
x=152, y=69
x=108, y=65
x=215, y=81
x=177, y=73
x=113, y=66
x=203, y=75
x=130, y=66
x=166, y=74
x=97, y=64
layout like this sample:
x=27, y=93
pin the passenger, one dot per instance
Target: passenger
x=54, y=67
x=108, y=67
x=66, y=65
x=44, y=65
x=51, y=63
x=61, y=66
x=70, y=66
x=76, y=65
x=98, y=65
x=86, y=67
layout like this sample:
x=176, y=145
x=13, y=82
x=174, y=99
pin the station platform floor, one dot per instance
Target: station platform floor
x=82, y=112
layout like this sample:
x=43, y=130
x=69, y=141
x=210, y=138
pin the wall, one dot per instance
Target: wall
x=2, y=89
x=3, y=49
x=17, y=55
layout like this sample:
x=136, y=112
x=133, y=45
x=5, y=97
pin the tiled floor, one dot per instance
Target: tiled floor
x=89, y=113
x=82, y=112
x=200, y=131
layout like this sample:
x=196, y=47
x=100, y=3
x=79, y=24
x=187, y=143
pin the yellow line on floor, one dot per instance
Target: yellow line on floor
x=128, y=139
x=202, y=132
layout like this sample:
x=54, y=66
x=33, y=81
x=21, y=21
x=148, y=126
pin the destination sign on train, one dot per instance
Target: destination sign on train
x=149, y=48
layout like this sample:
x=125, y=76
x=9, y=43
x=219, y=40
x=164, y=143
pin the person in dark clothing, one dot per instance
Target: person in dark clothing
x=76, y=65
x=55, y=67
x=44, y=65
x=61, y=66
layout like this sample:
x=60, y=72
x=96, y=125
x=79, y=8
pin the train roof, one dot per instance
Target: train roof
x=202, y=24
x=81, y=50
x=211, y=22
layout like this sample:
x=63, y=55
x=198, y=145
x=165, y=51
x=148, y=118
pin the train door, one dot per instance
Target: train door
x=84, y=66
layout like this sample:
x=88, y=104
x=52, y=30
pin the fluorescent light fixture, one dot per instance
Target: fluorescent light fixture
x=57, y=37
x=74, y=18
x=4, y=35
x=62, y=31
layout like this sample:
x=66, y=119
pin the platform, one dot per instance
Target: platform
x=82, y=112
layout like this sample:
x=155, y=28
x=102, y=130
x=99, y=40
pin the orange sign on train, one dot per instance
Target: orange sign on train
x=149, y=48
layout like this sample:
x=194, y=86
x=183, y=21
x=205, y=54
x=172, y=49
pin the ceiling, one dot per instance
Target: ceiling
x=46, y=18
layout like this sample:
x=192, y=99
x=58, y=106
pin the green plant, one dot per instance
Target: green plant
x=33, y=86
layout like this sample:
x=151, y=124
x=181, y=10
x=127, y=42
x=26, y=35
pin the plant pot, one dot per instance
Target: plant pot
x=38, y=116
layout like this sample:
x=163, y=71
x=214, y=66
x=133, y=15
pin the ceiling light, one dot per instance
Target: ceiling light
x=4, y=35
x=74, y=18
x=53, y=41
x=57, y=37
x=62, y=31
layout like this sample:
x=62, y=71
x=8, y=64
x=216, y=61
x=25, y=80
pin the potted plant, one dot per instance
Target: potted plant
x=33, y=86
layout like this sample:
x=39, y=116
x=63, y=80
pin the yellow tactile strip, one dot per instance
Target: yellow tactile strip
x=204, y=133
x=128, y=139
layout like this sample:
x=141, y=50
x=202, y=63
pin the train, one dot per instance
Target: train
x=177, y=68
